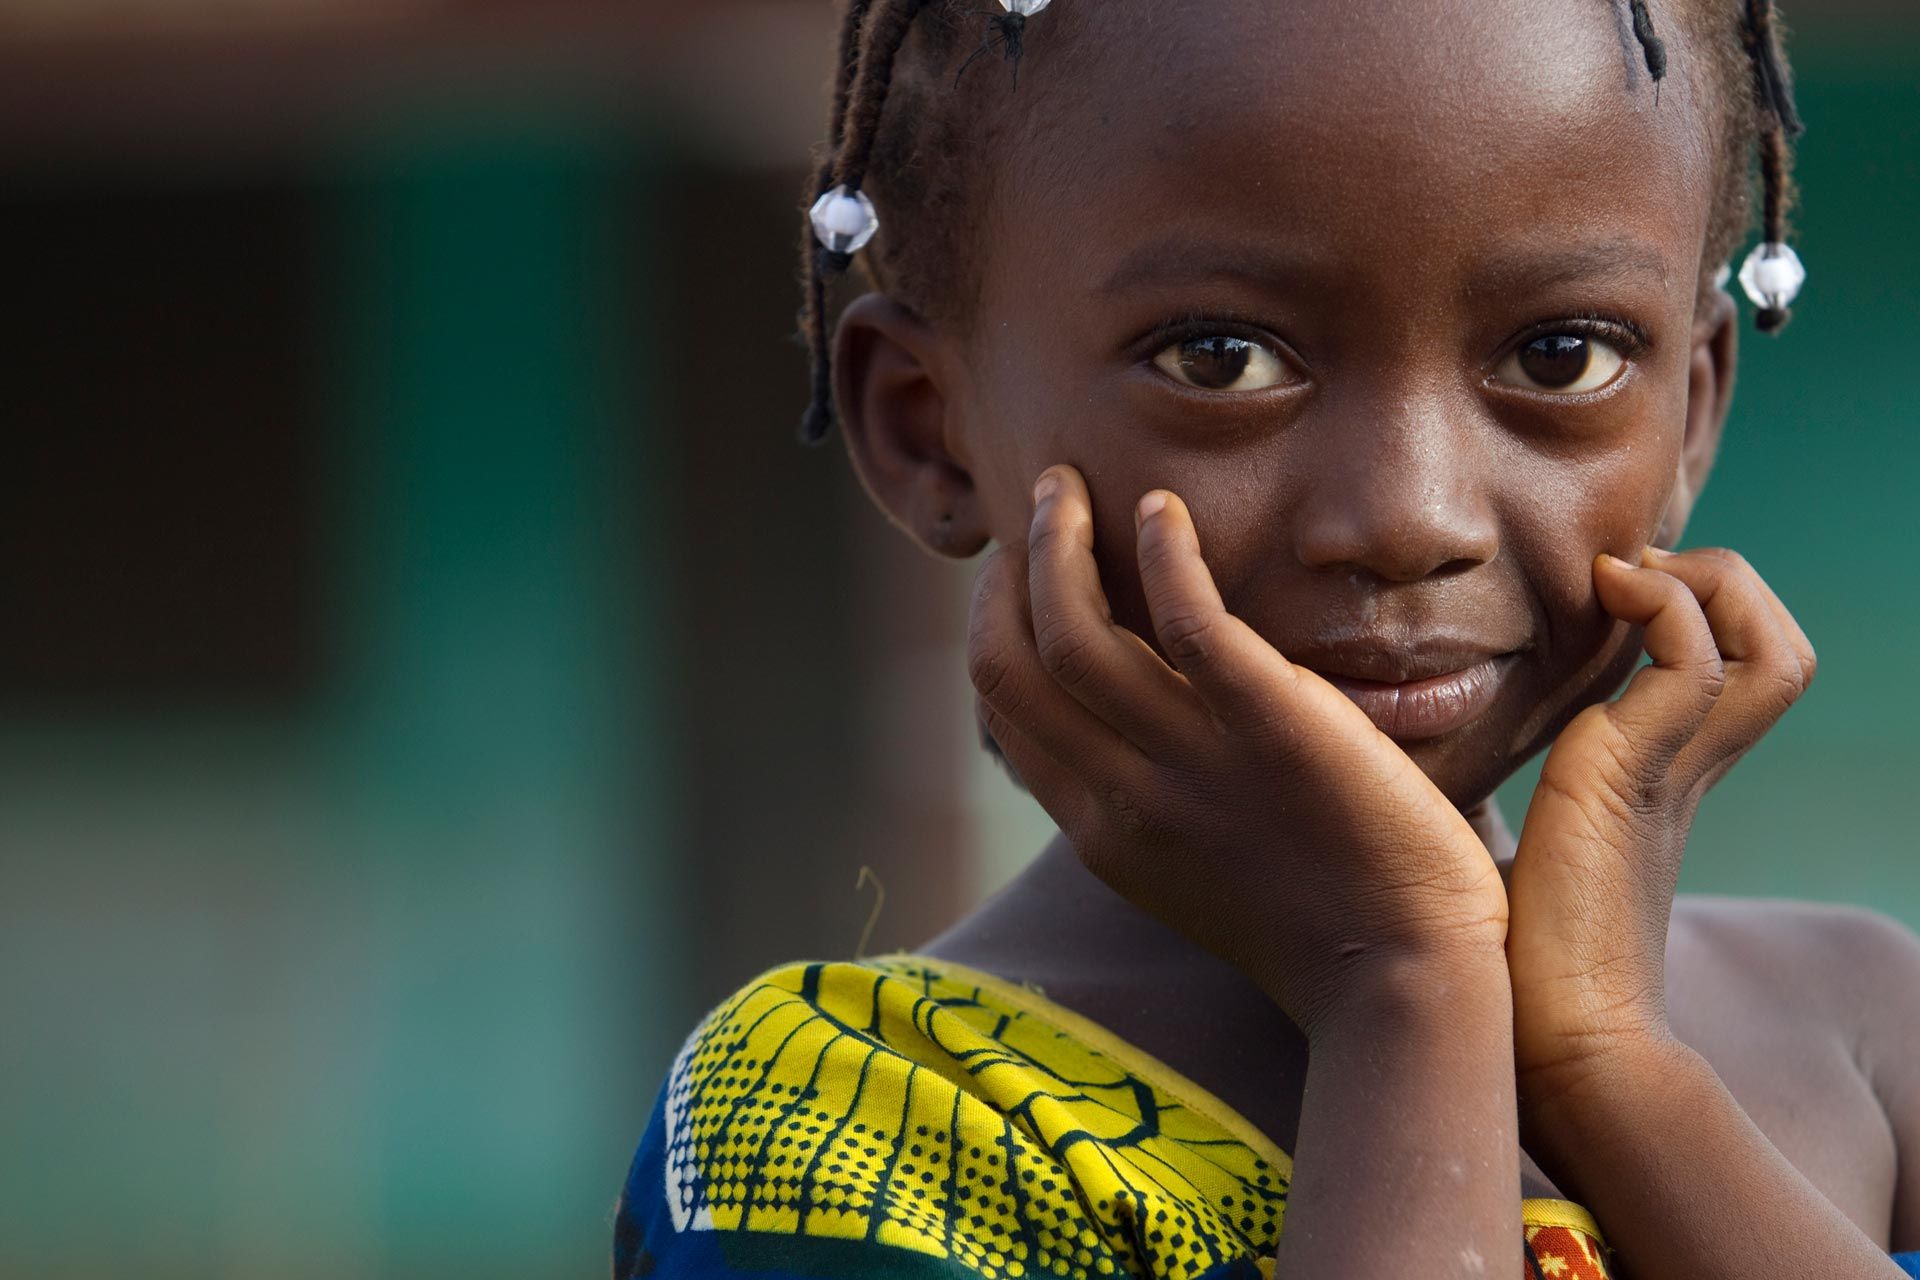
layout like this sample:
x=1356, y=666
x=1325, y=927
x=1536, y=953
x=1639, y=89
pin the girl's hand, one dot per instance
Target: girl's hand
x=1592, y=882
x=1239, y=798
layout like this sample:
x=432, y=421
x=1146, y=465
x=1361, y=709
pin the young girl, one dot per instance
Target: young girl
x=1330, y=377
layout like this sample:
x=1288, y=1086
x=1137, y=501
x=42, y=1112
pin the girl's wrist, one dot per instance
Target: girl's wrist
x=1566, y=1104
x=1453, y=993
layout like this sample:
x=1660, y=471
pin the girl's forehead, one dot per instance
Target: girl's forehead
x=1487, y=53
x=1332, y=123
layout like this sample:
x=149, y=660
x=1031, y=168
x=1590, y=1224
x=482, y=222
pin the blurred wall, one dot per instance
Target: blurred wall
x=332, y=971
x=432, y=674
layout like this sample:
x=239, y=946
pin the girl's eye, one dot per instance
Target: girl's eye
x=1568, y=363
x=1220, y=362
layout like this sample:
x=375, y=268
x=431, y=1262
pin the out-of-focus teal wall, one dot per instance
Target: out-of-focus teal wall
x=377, y=986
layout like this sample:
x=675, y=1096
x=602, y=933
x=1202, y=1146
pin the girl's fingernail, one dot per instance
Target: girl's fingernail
x=1616, y=562
x=1045, y=487
x=1149, y=507
x=1658, y=553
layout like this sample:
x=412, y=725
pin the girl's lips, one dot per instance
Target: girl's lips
x=1414, y=710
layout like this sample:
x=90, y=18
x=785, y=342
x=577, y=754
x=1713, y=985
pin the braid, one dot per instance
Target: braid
x=885, y=35
x=819, y=415
x=1780, y=123
x=850, y=25
x=868, y=50
x=1777, y=185
x=1651, y=46
x=819, y=262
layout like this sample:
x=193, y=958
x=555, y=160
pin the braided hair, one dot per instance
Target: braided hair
x=869, y=47
x=1745, y=55
x=1773, y=89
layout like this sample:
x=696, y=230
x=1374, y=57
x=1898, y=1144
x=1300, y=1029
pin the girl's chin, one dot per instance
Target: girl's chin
x=1469, y=780
x=1469, y=764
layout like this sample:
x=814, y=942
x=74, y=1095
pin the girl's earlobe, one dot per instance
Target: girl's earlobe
x=896, y=416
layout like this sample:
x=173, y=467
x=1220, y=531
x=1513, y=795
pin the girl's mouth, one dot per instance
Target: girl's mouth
x=1428, y=706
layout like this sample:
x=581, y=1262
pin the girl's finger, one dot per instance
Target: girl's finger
x=1234, y=671
x=1245, y=682
x=1008, y=676
x=1063, y=795
x=1110, y=670
x=1789, y=625
x=1666, y=702
x=1764, y=671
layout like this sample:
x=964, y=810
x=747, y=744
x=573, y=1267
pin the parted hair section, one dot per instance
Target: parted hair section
x=910, y=233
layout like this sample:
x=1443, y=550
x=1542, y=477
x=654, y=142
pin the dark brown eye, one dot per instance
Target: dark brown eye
x=1566, y=362
x=1221, y=362
x=1555, y=360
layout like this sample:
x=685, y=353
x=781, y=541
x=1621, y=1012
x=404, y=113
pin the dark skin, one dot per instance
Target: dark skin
x=1316, y=346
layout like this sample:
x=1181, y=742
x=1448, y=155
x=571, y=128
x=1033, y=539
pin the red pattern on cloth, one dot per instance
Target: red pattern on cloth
x=1563, y=1253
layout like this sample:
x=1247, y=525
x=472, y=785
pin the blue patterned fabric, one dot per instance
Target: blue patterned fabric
x=898, y=1120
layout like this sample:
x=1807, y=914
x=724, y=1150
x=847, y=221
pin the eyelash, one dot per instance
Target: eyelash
x=1631, y=339
x=1193, y=325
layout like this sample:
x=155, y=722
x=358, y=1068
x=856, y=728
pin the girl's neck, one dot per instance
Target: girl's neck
x=1056, y=918
x=1059, y=928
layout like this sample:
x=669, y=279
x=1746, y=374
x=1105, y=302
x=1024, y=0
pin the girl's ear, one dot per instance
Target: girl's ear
x=891, y=376
x=1716, y=331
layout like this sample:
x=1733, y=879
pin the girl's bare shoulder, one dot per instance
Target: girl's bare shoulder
x=1810, y=1013
x=1810, y=963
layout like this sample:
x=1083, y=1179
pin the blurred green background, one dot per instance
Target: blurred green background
x=421, y=641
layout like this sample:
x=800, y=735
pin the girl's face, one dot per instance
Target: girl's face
x=1399, y=298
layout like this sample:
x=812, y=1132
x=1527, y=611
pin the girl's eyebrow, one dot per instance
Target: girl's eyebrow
x=1548, y=265
x=1184, y=260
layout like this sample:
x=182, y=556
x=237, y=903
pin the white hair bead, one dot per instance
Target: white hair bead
x=843, y=220
x=1772, y=275
x=1025, y=8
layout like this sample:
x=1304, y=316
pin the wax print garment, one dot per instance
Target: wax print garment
x=907, y=1118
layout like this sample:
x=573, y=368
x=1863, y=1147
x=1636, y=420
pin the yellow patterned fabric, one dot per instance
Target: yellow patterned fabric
x=903, y=1117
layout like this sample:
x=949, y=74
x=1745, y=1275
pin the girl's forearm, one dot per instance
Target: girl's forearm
x=1684, y=1185
x=1407, y=1158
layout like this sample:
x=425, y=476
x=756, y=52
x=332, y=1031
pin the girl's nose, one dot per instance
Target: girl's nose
x=1402, y=497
